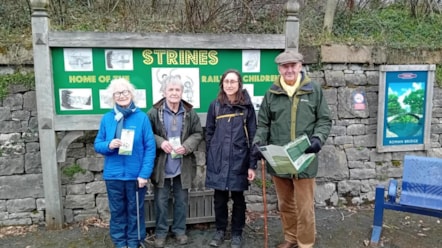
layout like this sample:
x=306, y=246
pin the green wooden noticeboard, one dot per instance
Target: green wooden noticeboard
x=81, y=75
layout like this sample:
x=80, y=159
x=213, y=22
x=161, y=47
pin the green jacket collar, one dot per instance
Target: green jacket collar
x=305, y=86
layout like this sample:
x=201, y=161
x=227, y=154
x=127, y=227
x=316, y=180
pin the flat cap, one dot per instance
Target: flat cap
x=288, y=56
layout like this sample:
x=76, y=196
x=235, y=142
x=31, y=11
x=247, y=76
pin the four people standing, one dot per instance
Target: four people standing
x=230, y=127
x=294, y=105
x=126, y=141
x=178, y=133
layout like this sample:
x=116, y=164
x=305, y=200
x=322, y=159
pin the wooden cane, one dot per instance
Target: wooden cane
x=264, y=199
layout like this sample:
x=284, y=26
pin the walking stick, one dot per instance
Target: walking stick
x=264, y=198
x=137, y=200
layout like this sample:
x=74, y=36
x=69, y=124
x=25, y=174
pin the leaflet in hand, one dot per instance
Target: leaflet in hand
x=290, y=158
x=127, y=138
x=175, y=142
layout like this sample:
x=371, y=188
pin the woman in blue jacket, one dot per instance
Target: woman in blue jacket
x=126, y=140
x=230, y=128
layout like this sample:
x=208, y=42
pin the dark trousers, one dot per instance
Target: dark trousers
x=221, y=199
x=123, y=212
x=180, y=203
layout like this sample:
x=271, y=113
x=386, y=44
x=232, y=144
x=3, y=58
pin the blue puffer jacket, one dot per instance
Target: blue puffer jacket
x=228, y=146
x=122, y=167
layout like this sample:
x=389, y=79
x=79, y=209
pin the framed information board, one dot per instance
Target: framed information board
x=81, y=75
x=405, y=103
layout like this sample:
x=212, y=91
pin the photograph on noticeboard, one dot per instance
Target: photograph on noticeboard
x=251, y=61
x=78, y=59
x=119, y=59
x=76, y=99
x=189, y=77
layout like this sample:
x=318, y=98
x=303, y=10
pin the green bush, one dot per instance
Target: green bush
x=71, y=170
x=26, y=79
x=398, y=26
x=392, y=26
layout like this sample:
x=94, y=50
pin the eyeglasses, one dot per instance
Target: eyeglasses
x=119, y=93
x=230, y=82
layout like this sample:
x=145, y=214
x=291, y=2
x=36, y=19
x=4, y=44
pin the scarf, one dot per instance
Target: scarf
x=291, y=89
x=121, y=112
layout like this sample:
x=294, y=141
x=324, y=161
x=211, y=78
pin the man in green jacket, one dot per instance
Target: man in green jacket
x=178, y=132
x=294, y=105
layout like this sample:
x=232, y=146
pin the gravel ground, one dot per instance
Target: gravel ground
x=340, y=228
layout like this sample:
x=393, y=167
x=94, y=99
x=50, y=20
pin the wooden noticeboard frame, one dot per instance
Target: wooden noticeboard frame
x=50, y=80
x=405, y=106
x=228, y=55
x=81, y=75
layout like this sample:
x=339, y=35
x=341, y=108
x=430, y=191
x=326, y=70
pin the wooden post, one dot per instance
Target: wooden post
x=264, y=199
x=45, y=109
x=292, y=26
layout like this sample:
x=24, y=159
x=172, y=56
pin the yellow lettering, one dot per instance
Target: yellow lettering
x=213, y=58
x=259, y=78
x=103, y=78
x=180, y=57
x=159, y=54
x=172, y=57
x=82, y=79
x=203, y=57
x=210, y=78
x=147, y=55
x=121, y=76
x=191, y=56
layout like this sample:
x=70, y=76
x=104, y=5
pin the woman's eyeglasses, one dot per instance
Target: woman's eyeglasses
x=119, y=93
x=230, y=82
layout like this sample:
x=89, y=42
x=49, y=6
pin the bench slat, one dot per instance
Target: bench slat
x=422, y=182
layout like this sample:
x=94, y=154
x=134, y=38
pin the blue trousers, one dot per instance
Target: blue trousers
x=123, y=210
x=180, y=203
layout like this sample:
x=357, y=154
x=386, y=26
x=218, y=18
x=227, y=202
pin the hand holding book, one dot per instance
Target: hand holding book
x=292, y=157
x=315, y=145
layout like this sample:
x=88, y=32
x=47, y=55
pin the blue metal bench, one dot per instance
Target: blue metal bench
x=421, y=192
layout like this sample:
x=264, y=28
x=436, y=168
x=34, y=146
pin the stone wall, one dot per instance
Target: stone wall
x=350, y=167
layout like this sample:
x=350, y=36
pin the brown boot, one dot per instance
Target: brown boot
x=287, y=244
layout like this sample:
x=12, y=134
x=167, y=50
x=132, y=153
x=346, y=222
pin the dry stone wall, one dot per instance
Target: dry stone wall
x=350, y=167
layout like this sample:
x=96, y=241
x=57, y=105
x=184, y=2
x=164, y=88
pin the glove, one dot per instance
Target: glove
x=315, y=145
x=256, y=153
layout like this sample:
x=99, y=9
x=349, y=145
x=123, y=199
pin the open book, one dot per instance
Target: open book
x=290, y=158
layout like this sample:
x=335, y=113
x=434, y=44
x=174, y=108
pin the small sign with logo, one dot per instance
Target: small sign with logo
x=359, y=101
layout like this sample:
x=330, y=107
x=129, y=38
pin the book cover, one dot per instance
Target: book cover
x=175, y=142
x=127, y=138
x=290, y=158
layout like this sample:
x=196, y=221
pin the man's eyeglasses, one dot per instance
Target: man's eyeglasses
x=230, y=82
x=119, y=93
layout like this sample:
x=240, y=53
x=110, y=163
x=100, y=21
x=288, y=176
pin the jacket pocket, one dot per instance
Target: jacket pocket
x=239, y=159
x=214, y=159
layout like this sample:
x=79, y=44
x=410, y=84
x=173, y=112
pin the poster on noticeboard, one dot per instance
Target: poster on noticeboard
x=405, y=105
x=82, y=75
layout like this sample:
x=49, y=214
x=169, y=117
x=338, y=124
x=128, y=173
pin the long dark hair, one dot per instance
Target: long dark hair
x=222, y=97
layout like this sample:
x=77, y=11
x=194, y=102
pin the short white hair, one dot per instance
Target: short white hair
x=173, y=79
x=120, y=83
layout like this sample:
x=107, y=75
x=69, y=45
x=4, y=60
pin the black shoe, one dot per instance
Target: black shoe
x=218, y=238
x=236, y=241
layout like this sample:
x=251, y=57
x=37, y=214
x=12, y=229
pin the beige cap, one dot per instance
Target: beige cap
x=289, y=56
